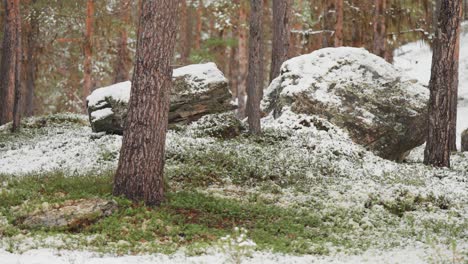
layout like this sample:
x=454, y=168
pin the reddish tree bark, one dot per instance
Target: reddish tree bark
x=139, y=174
x=443, y=85
x=123, y=60
x=339, y=23
x=88, y=52
x=18, y=58
x=280, y=49
x=243, y=59
x=32, y=34
x=8, y=69
x=255, y=74
x=380, y=38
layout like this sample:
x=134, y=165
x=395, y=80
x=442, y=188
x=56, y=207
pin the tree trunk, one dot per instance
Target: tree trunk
x=443, y=84
x=255, y=74
x=243, y=59
x=186, y=27
x=199, y=25
x=139, y=174
x=8, y=69
x=31, y=60
x=329, y=22
x=123, y=60
x=280, y=49
x=88, y=52
x=339, y=23
x=17, y=100
x=380, y=38
x=8, y=59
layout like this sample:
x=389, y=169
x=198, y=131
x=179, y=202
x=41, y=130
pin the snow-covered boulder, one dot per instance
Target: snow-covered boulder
x=197, y=90
x=380, y=107
x=464, y=140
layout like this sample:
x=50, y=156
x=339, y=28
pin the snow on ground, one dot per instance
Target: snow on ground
x=58, y=147
x=416, y=59
x=417, y=255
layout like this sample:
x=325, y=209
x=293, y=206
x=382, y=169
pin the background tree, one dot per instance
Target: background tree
x=339, y=7
x=123, y=60
x=380, y=33
x=280, y=43
x=9, y=68
x=87, y=48
x=17, y=67
x=443, y=84
x=139, y=175
x=255, y=74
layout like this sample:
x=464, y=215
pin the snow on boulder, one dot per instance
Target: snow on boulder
x=379, y=106
x=197, y=90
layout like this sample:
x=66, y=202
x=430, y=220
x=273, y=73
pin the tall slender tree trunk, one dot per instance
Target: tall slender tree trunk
x=123, y=60
x=255, y=74
x=280, y=49
x=454, y=100
x=17, y=100
x=186, y=27
x=339, y=23
x=329, y=22
x=443, y=84
x=380, y=38
x=8, y=69
x=88, y=52
x=139, y=174
x=243, y=59
x=31, y=60
x=199, y=25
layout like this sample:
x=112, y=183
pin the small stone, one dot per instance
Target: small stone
x=71, y=214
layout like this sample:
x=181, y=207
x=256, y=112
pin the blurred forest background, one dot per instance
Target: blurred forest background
x=71, y=47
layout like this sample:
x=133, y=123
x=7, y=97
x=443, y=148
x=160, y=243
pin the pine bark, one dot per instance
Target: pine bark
x=329, y=22
x=139, y=174
x=17, y=67
x=8, y=62
x=255, y=74
x=30, y=50
x=380, y=38
x=123, y=60
x=243, y=60
x=280, y=45
x=339, y=23
x=443, y=85
x=88, y=52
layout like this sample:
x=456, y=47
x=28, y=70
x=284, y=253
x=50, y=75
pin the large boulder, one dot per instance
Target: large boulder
x=464, y=140
x=379, y=106
x=198, y=90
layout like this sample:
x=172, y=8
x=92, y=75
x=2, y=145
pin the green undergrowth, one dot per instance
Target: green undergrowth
x=196, y=221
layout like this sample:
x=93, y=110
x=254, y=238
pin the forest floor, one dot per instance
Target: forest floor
x=300, y=193
x=296, y=193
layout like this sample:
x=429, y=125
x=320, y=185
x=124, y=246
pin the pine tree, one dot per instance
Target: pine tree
x=9, y=68
x=139, y=175
x=443, y=84
x=280, y=49
x=255, y=74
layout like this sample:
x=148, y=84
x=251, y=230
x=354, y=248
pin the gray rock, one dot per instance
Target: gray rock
x=464, y=140
x=198, y=90
x=72, y=214
x=378, y=105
